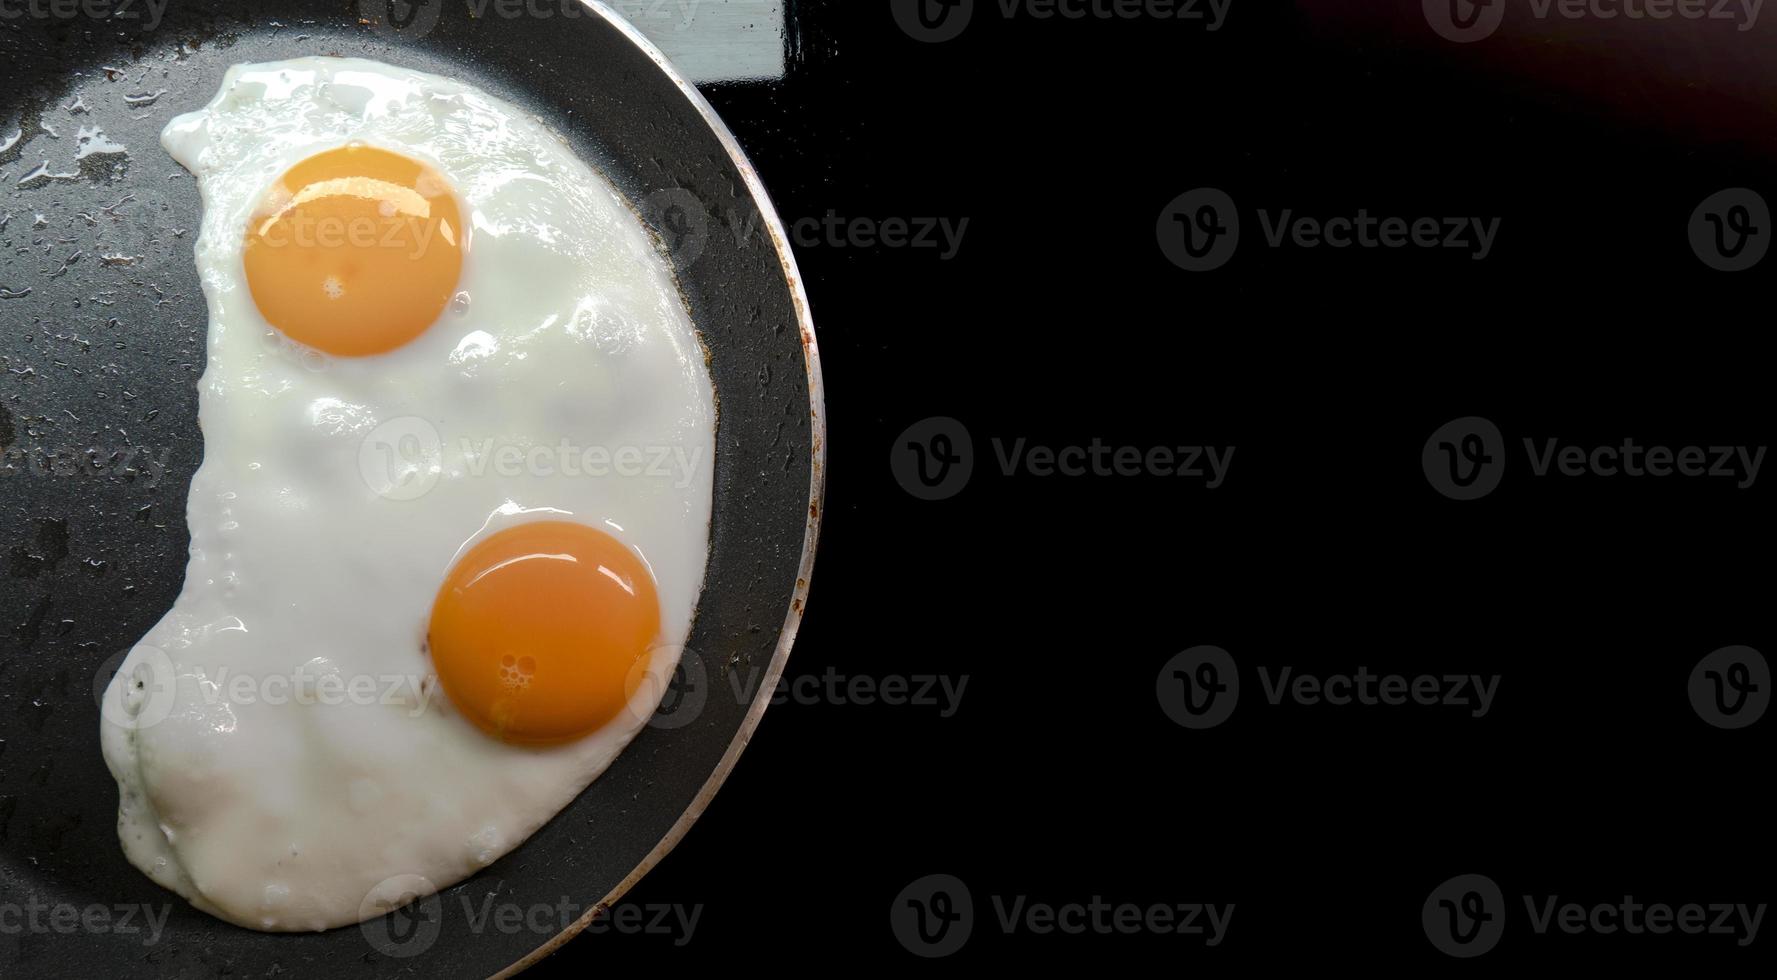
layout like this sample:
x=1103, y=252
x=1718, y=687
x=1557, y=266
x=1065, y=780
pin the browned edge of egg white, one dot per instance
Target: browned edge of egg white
x=816, y=492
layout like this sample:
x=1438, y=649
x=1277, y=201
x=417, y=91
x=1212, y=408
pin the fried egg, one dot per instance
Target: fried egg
x=452, y=519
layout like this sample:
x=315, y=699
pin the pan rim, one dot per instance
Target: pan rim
x=773, y=225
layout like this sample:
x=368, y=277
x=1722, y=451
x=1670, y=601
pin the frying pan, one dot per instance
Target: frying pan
x=101, y=344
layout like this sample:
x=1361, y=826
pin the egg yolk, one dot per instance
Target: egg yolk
x=542, y=632
x=355, y=251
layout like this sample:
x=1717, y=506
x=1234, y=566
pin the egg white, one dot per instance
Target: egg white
x=335, y=493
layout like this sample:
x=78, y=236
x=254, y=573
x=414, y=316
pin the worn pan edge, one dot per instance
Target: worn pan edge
x=816, y=491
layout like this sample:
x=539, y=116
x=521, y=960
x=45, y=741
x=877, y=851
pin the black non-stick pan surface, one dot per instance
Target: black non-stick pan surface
x=102, y=331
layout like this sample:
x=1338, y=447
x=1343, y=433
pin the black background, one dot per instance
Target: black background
x=1060, y=320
